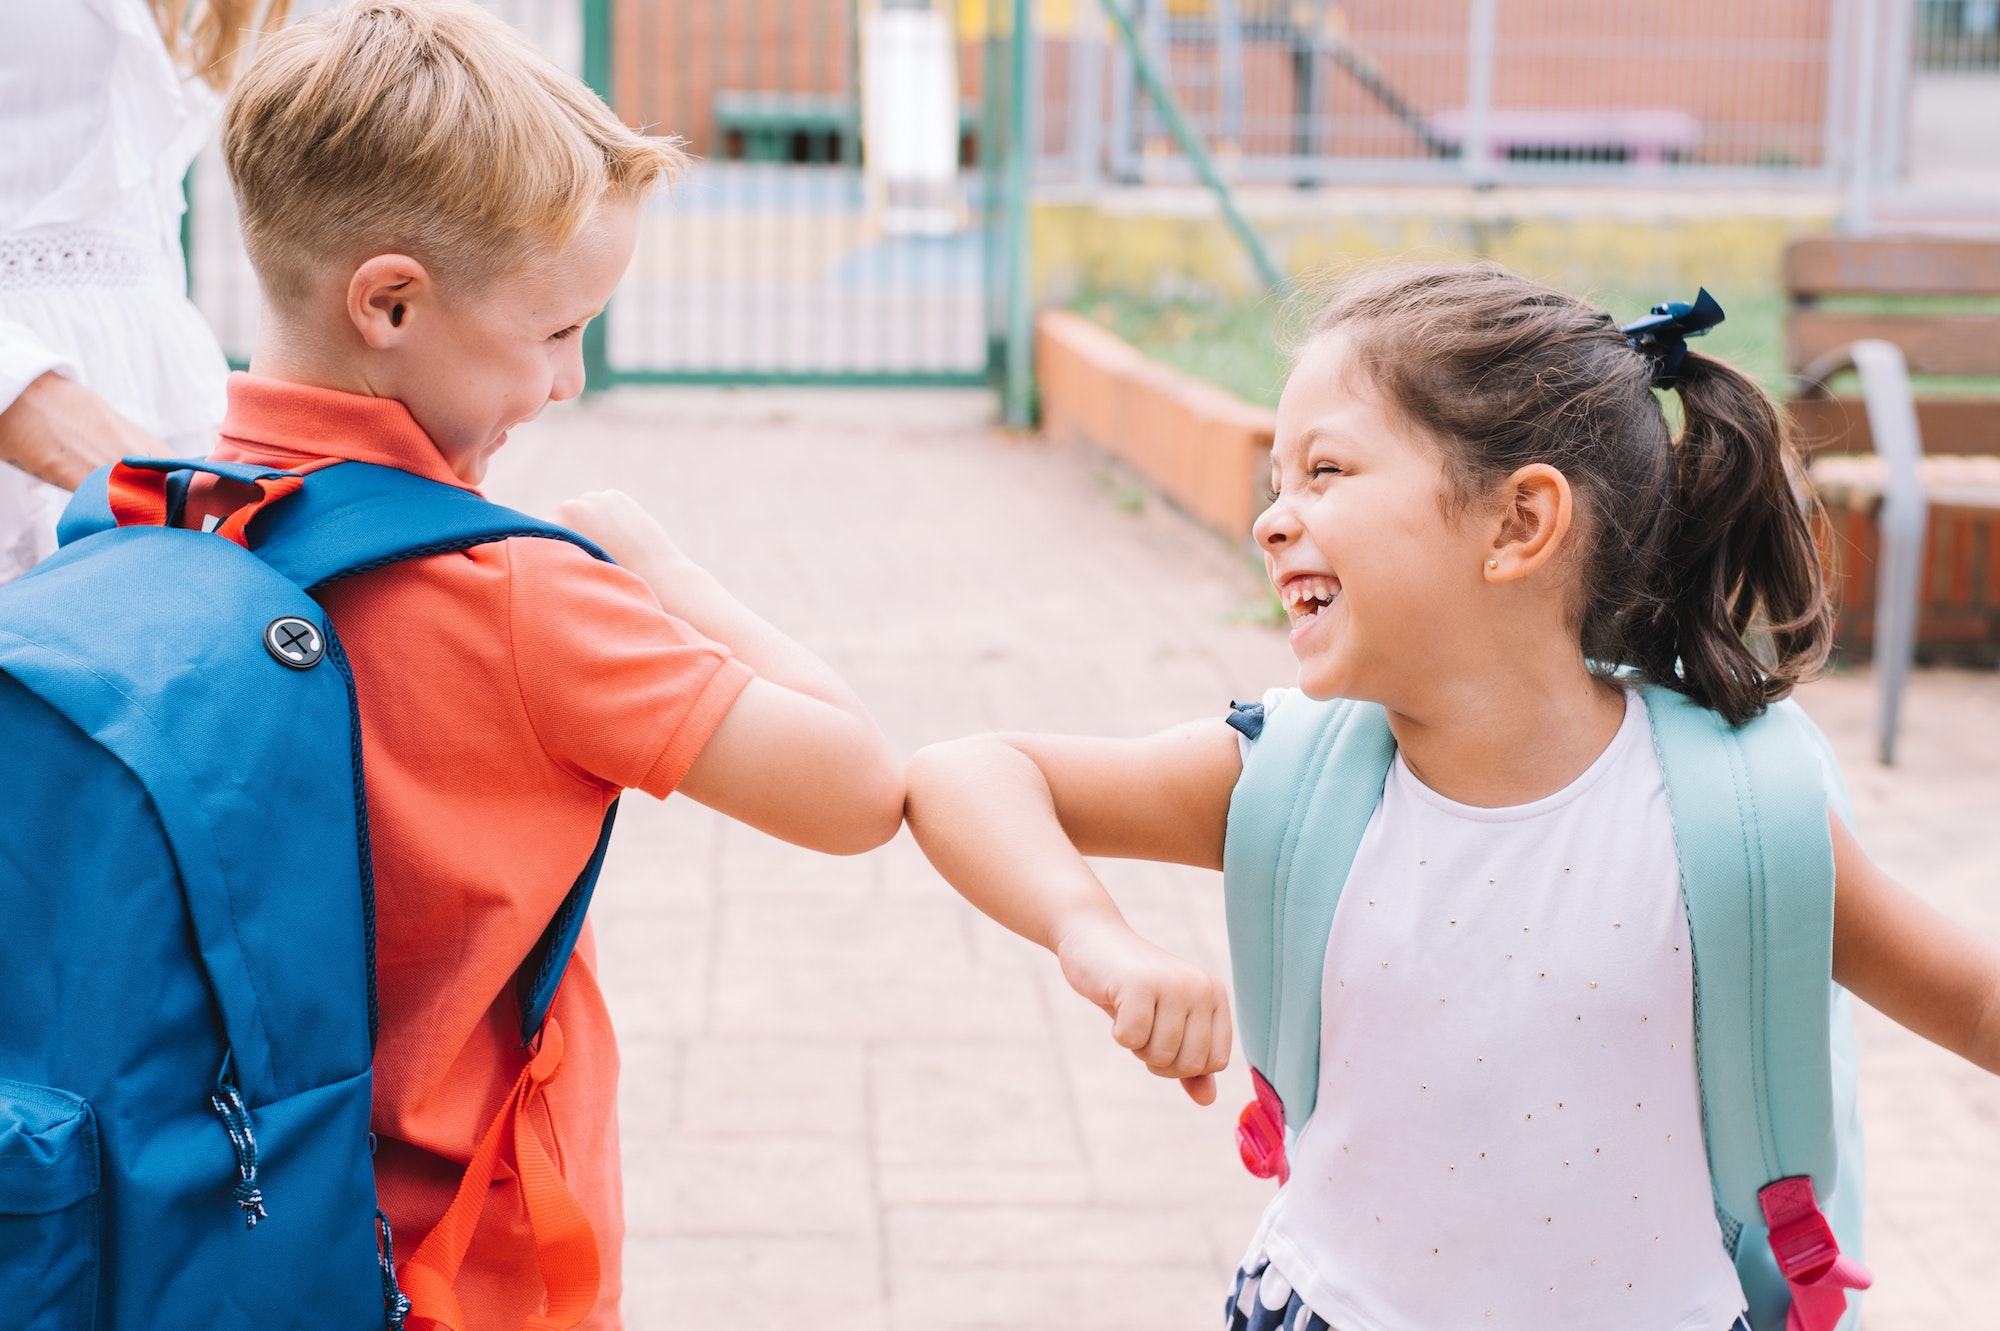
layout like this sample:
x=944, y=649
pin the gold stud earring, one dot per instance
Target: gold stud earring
x=1493, y=563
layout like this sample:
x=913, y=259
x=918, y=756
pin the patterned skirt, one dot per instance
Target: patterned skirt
x=1263, y=1300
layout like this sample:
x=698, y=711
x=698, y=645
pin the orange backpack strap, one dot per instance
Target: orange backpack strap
x=564, y=1243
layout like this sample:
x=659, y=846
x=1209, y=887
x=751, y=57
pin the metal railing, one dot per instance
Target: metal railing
x=1958, y=36
x=787, y=255
x=1305, y=91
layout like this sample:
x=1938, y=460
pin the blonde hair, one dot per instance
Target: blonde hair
x=427, y=127
x=207, y=37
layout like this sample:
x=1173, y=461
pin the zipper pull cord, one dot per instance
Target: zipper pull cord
x=395, y=1303
x=228, y=1102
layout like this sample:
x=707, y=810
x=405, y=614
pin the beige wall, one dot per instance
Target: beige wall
x=1164, y=242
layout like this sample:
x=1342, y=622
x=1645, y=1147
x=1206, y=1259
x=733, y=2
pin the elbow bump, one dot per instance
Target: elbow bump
x=941, y=762
x=933, y=759
x=927, y=767
x=875, y=811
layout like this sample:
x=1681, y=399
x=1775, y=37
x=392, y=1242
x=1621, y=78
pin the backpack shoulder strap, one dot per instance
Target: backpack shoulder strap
x=1750, y=822
x=349, y=519
x=341, y=521
x=1296, y=817
x=356, y=517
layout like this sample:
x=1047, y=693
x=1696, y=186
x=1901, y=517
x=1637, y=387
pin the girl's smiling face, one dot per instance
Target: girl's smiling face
x=1376, y=567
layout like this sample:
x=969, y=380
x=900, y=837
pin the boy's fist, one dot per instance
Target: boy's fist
x=1171, y=1013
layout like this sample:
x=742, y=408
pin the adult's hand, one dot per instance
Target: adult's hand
x=59, y=431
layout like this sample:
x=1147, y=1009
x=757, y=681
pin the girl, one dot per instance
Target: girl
x=1483, y=524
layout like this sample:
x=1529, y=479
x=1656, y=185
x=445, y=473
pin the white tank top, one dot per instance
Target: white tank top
x=1508, y=1129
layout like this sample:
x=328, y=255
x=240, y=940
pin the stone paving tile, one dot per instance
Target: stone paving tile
x=738, y=1186
x=1000, y=1103
x=1043, y=1235
x=1044, y=1296
x=772, y=1088
x=978, y=1183
x=760, y=1283
x=852, y=1104
x=919, y=1000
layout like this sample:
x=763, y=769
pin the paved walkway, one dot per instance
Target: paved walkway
x=850, y=1103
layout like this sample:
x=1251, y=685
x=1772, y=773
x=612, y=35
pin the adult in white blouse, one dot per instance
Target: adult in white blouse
x=104, y=104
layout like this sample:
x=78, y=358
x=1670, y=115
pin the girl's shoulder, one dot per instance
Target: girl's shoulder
x=1247, y=718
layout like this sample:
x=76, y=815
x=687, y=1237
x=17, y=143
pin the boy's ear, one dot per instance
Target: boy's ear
x=1533, y=517
x=385, y=296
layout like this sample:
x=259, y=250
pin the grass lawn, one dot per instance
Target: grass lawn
x=1237, y=345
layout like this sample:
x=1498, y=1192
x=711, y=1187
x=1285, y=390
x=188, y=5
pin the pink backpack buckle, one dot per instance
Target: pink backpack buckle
x=1809, y=1256
x=1260, y=1133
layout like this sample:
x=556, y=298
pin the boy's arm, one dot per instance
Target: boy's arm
x=797, y=756
x=1007, y=821
x=1903, y=958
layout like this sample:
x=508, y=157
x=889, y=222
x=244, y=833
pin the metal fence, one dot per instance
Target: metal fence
x=782, y=256
x=1959, y=35
x=841, y=220
x=1497, y=91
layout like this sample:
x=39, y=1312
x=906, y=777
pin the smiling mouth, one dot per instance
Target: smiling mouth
x=1307, y=598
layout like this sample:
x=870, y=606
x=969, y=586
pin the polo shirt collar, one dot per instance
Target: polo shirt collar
x=275, y=415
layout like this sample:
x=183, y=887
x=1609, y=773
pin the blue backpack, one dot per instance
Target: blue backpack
x=1775, y=1035
x=189, y=906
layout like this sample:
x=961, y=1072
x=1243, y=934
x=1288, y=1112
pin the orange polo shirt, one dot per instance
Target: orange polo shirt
x=507, y=693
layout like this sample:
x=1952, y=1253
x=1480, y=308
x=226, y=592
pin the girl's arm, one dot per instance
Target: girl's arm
x=1008, y=819
x=1906, y=960
x=797, y=756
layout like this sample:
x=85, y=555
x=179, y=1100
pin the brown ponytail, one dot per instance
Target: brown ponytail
x=1688, y=548
x=1739, y=561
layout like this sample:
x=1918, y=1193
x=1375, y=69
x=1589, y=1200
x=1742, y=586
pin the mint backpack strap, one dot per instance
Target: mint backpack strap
x=1750, y=823
x=1296, y=817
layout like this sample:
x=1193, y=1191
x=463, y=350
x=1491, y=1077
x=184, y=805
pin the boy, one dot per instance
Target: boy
x=435, y=212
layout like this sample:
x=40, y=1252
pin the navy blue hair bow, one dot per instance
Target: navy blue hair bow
x=1662, y=335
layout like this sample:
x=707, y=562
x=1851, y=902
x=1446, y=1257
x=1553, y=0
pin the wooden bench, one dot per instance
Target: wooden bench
x=1642, y=137
x=786, y=126
x=799, y=127
x=1912, y=485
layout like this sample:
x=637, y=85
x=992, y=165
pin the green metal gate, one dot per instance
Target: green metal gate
x=777, y=258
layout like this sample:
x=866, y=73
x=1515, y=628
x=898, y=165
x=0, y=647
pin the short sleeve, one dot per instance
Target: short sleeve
x=1247, y=718
x=617, y=690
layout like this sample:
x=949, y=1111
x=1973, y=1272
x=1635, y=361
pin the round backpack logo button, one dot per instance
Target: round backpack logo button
x=294, y=642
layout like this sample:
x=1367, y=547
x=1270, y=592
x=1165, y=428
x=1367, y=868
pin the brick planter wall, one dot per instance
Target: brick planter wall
x=1958, y=615
x=1207, y=450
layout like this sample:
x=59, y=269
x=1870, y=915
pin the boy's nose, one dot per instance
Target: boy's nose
x=569, y=378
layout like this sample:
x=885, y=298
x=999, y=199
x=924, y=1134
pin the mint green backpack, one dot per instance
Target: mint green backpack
x=1775, y=1035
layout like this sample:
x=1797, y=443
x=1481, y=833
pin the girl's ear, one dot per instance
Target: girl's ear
x=1534, y=512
